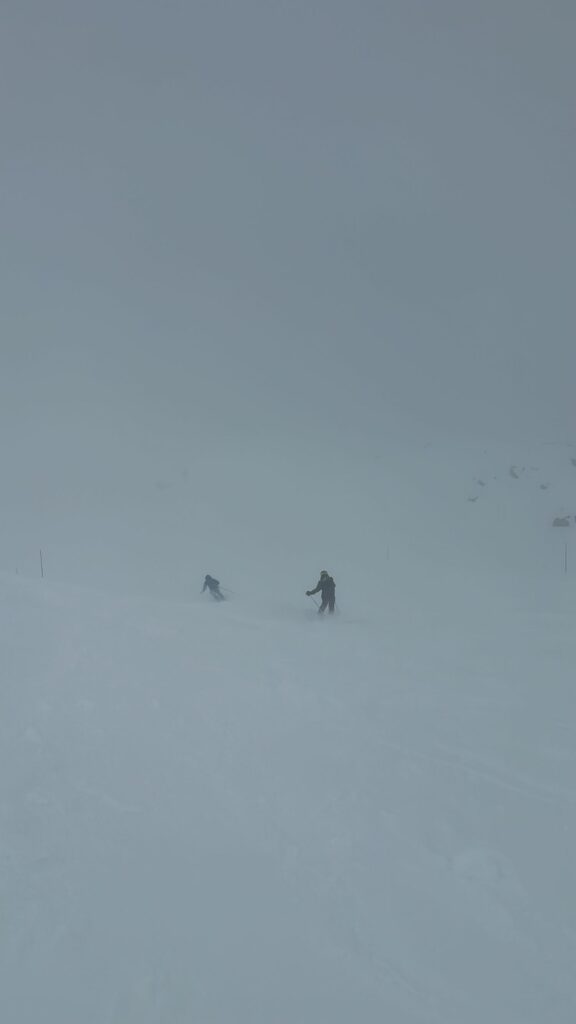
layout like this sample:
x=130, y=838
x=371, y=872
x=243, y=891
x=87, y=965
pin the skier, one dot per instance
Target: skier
x=327, y=587
x=214, y=587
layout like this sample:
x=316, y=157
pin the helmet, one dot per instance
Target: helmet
x=323, y=573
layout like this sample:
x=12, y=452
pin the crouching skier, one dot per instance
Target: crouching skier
x=214, y=587
x=327, y=588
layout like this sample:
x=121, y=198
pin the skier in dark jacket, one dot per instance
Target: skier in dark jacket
x=214, y=587
x=327, y=588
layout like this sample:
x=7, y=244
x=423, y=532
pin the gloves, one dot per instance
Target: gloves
x=308, y=593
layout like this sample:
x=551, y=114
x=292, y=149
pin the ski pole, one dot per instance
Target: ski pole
x=314, y=601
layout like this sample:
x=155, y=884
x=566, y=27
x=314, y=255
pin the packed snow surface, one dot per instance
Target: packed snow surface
x=241, y=813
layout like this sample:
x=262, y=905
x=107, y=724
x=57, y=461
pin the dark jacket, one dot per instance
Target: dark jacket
x=326, y=587
x=210, y=584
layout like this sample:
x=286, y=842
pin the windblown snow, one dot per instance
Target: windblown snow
x=245, y=814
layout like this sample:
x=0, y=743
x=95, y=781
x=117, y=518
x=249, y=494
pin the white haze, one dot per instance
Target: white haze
x=283, y=287
x=266, y=216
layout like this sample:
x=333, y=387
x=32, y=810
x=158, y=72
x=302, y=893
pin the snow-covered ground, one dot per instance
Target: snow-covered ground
x=242, y=814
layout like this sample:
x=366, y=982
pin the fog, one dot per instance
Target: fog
x=284, y=286
x=222, y=218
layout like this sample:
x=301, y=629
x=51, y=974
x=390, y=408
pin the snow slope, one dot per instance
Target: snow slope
x=242, y=813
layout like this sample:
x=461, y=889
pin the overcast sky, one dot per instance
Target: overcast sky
x=256, y=213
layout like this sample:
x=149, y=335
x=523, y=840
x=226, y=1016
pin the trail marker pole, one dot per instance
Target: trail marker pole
x=41, y=565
